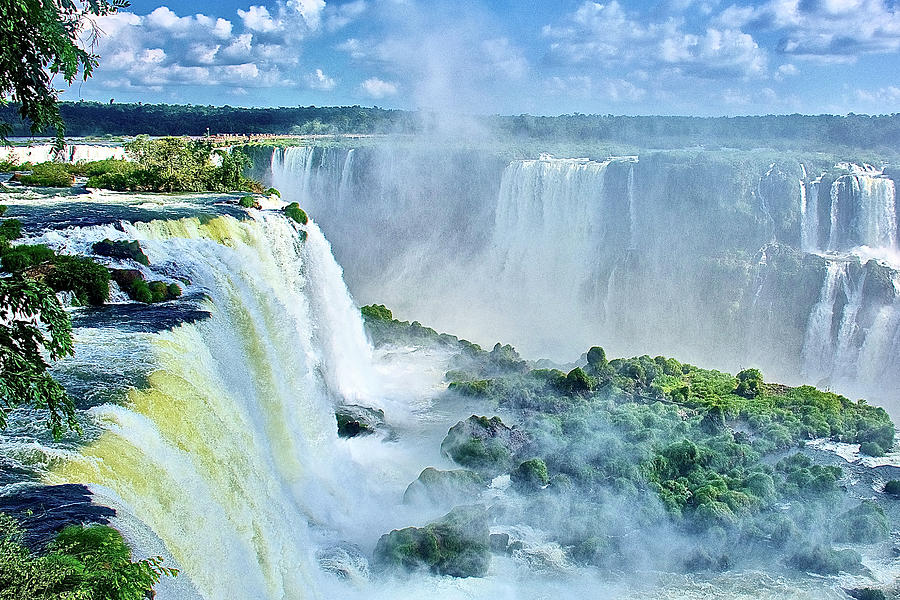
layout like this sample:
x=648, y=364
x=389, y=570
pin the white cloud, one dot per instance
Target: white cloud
x=311, y=10
x=353, y=47
x=344, y=14
x=887, y=97
x=377, y=88
x=600, y=34
x=257, y=18
x=318, y=80
x=842, y=29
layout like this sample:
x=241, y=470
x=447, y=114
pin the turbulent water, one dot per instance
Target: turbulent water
x=728, y=259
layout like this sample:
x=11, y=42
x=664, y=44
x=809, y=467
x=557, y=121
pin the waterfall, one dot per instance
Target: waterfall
x=809, y=212
x=863, y=210
x=229, y=452
x=818, y=346
x=72, y=153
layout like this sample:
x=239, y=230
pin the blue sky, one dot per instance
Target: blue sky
x=694, y=57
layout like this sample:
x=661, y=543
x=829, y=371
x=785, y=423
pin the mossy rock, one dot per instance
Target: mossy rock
x=826, y=561
x=892, y=488
x=122, y=249
x=444, y=487
x=530, y=476
x=864, y=524
x=484, y=445
x=296, y=213
x=249, y=202
x=457, y=545
x=354, y=420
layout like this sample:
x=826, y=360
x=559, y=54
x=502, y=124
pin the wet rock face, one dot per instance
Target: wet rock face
x=458, y=545
x=354, y=420
x=45, y=510
x=485, y=445
x=444, y=487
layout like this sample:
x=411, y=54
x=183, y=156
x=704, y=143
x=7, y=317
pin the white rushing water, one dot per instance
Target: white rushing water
x=71, y=153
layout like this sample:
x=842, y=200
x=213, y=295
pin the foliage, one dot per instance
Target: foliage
x=377, y=311
x=82, y=276
x=21, y=257
x=749, y=383
x=172, y=164
x=10, y=229
x=272, y=192
x=40, y=41
x=81, y=563
x=47, y=174
x=248, y=202
x=865, y=524
x=296, y=213
x=12, y=164
x=33, y=322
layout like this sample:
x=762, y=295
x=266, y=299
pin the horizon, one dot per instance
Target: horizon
x=699, y=58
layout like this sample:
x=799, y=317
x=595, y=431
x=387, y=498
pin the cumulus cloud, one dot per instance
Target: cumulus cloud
x=598, y=34
x=823, y=29
x=377, y=88
x=318, y=80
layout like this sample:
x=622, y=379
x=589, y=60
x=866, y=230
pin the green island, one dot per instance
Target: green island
x=613, y=450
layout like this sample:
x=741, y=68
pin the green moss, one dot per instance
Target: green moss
x=159, y=291
x=750, y=382
x=273, y=192
x=826, y=561
x=296, y=213
x=248, y=202
x=530, y=475
x=139, y=291
x=173, y=291
x=864, y=524
x=457, y=545
x=122, y=249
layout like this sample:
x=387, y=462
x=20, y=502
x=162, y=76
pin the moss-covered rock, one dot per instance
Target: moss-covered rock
x=444, y=487
x=132, y=282
x=826, y=560
x=85, y=278
x=121, y=249
x=296, y=213
x=249, y=202
x=530, y=475
x=457, y=545
x=354, y=420
x=485, y=445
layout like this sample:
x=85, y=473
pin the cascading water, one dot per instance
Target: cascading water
x=72, y=153
x=235, y=426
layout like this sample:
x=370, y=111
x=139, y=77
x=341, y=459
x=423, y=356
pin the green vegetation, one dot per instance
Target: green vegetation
x=132, y=282
x=172, y=164
x=714, y=457
x=82, y=562
x=457, y=545
x=9, y=165
x=272, y=192
x=85, y=278
x=248, y=202
x=47, y=174
x=123, y=249
x=39, y=325
x=296, y=213
x=892, y=487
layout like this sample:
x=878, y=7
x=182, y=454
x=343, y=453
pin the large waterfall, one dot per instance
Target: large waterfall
x=72, y=153
x=234, y=424
x=725, y=258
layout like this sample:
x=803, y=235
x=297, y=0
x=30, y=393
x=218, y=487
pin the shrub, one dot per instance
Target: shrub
x=174, y=291
x=19, y=258
x=82, y=562
x=578, y=382
x=750, y=383
x=296, y=213
x=871, y=449
x=47, y=174
x=273, y=192
x=11, y=229
x=139, y=291
x=826, y=561
x=865, y=524
x=88, y=280
x=247, y=202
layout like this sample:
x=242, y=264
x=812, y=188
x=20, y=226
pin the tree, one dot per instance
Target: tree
x=33, y=323
x=43, y=39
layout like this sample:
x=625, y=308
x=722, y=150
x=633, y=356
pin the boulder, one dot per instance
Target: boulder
x=121, y=249
x=457, y=545
x=484, y=445
x=354, y=420
x=444, y=487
